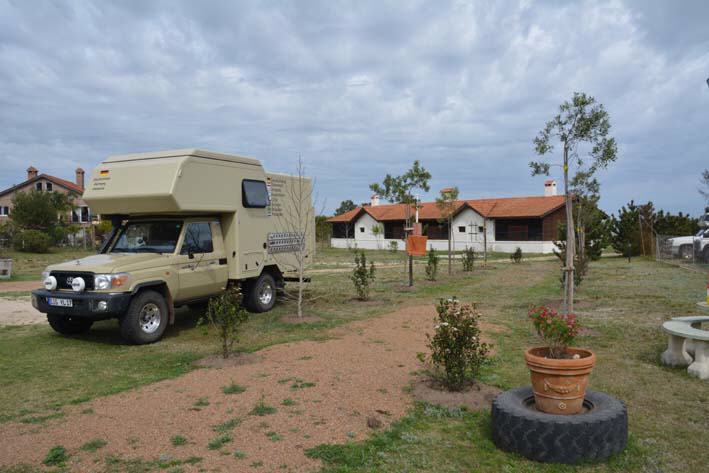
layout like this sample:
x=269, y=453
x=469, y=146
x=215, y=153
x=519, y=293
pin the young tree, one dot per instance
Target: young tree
x=625, y=232
x=323, y=231
x=378, y=231
x=299, y=220
x=447, y=203
x=345, y=206
x=401, y=189
x=580, y=121
x=225, y=314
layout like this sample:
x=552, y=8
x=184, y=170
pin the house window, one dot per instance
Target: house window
x=4, y=211
x=394, y=230
x=49, y=187
x=38, y=186
x=81, y=214
x=361, y=229
x=461, y=229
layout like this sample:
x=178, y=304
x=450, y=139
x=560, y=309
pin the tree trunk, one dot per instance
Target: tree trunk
x=570, y=241
x=449, y=246
x=484, y=242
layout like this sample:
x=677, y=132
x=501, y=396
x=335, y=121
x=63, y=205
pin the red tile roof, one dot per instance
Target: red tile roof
x=508, y=207
x=56, y=180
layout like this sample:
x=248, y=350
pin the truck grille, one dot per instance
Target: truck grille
x=64, y=279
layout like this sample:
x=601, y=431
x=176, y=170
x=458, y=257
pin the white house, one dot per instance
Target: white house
x=530, y=223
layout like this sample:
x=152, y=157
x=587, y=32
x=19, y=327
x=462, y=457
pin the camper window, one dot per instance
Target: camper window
x=254, y=194
x=198, y=239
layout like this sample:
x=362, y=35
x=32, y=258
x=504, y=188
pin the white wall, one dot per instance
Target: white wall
x=472, y=237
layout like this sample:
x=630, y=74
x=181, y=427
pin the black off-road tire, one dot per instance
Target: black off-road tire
x=256, y=289
x=67, y=325
x=590, y=436
x=134, y=326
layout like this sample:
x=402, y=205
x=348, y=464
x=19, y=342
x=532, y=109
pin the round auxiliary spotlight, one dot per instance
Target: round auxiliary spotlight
x=78, y=284
x=50, y=283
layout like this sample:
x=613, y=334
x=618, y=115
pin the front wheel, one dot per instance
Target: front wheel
x=67, y=325
x=146, y=319
x=686, y=252
x=261, y=295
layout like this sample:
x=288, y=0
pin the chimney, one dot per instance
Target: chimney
x=31, y=172
x=375, y=200
x=549, y=187
x=80, y=177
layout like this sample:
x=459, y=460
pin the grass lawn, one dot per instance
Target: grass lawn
x=622, y=304
x=29, y=266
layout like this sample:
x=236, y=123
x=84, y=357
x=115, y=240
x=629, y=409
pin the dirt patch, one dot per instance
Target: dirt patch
x=19, y=286
x=235, y=359
x=294, y=319
x=475, y=397
x=19, y=311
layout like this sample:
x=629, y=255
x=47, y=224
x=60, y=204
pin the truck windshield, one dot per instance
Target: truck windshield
x=148, y=237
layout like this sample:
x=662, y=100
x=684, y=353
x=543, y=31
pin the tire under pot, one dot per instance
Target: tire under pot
x=597, y=433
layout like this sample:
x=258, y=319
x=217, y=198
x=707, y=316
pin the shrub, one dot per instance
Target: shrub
x=456, y=348
x=225, y=314
x=56, y=456
x=468, y=259
x=361, y=276
x=516, y=257
x=432, y=265
x=393, y=246
x=32, y=241
x=557, y=330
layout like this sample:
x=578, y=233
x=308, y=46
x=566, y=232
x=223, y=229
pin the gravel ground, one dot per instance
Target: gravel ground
x=19, y=311
x=336, y=386
x=16, y=286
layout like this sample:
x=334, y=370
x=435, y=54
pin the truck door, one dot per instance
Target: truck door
x=202, y=268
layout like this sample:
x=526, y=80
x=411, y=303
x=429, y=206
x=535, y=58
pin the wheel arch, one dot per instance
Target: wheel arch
x=162, y=288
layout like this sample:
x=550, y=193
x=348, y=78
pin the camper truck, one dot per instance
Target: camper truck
x=187, y=224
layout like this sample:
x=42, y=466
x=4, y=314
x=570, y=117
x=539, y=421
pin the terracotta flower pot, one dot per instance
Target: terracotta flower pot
x=559, y=385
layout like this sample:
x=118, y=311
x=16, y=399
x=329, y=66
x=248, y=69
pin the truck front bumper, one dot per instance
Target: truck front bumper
x=91, y=305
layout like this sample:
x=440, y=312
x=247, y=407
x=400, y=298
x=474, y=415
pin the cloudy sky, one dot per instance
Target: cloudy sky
x=359, y=89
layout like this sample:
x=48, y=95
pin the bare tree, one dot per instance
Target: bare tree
x=447, y=203
x=297, y=220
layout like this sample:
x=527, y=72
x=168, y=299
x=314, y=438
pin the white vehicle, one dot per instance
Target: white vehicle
x=691, y=247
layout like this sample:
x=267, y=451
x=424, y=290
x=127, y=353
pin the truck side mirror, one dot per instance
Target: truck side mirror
x=190, y=254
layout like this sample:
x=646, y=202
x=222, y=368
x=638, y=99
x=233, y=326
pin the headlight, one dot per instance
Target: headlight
x=110, y=281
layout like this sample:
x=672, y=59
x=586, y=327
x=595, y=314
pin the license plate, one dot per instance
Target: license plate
x=59, y=302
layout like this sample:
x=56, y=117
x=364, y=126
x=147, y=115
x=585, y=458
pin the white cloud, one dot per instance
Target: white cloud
x=358, y=89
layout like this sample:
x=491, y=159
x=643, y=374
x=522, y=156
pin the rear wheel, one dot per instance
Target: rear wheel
x=261, y=294
x=146, y=319
x=67, y=325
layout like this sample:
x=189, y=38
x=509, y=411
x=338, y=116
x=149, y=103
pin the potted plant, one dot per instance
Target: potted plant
x=559, y=373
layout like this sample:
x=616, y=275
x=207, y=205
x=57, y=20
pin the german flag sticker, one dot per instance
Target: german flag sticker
x=103, y=172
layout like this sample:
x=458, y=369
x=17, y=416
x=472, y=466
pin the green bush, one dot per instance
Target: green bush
x=432, y=265
x=516, y=257
x=32, y=241
x=225, y=314
x=457, y=352
x=361, y=276
x=468, y=259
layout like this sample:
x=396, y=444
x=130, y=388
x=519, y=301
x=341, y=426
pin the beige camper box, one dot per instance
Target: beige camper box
x=187, y=224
